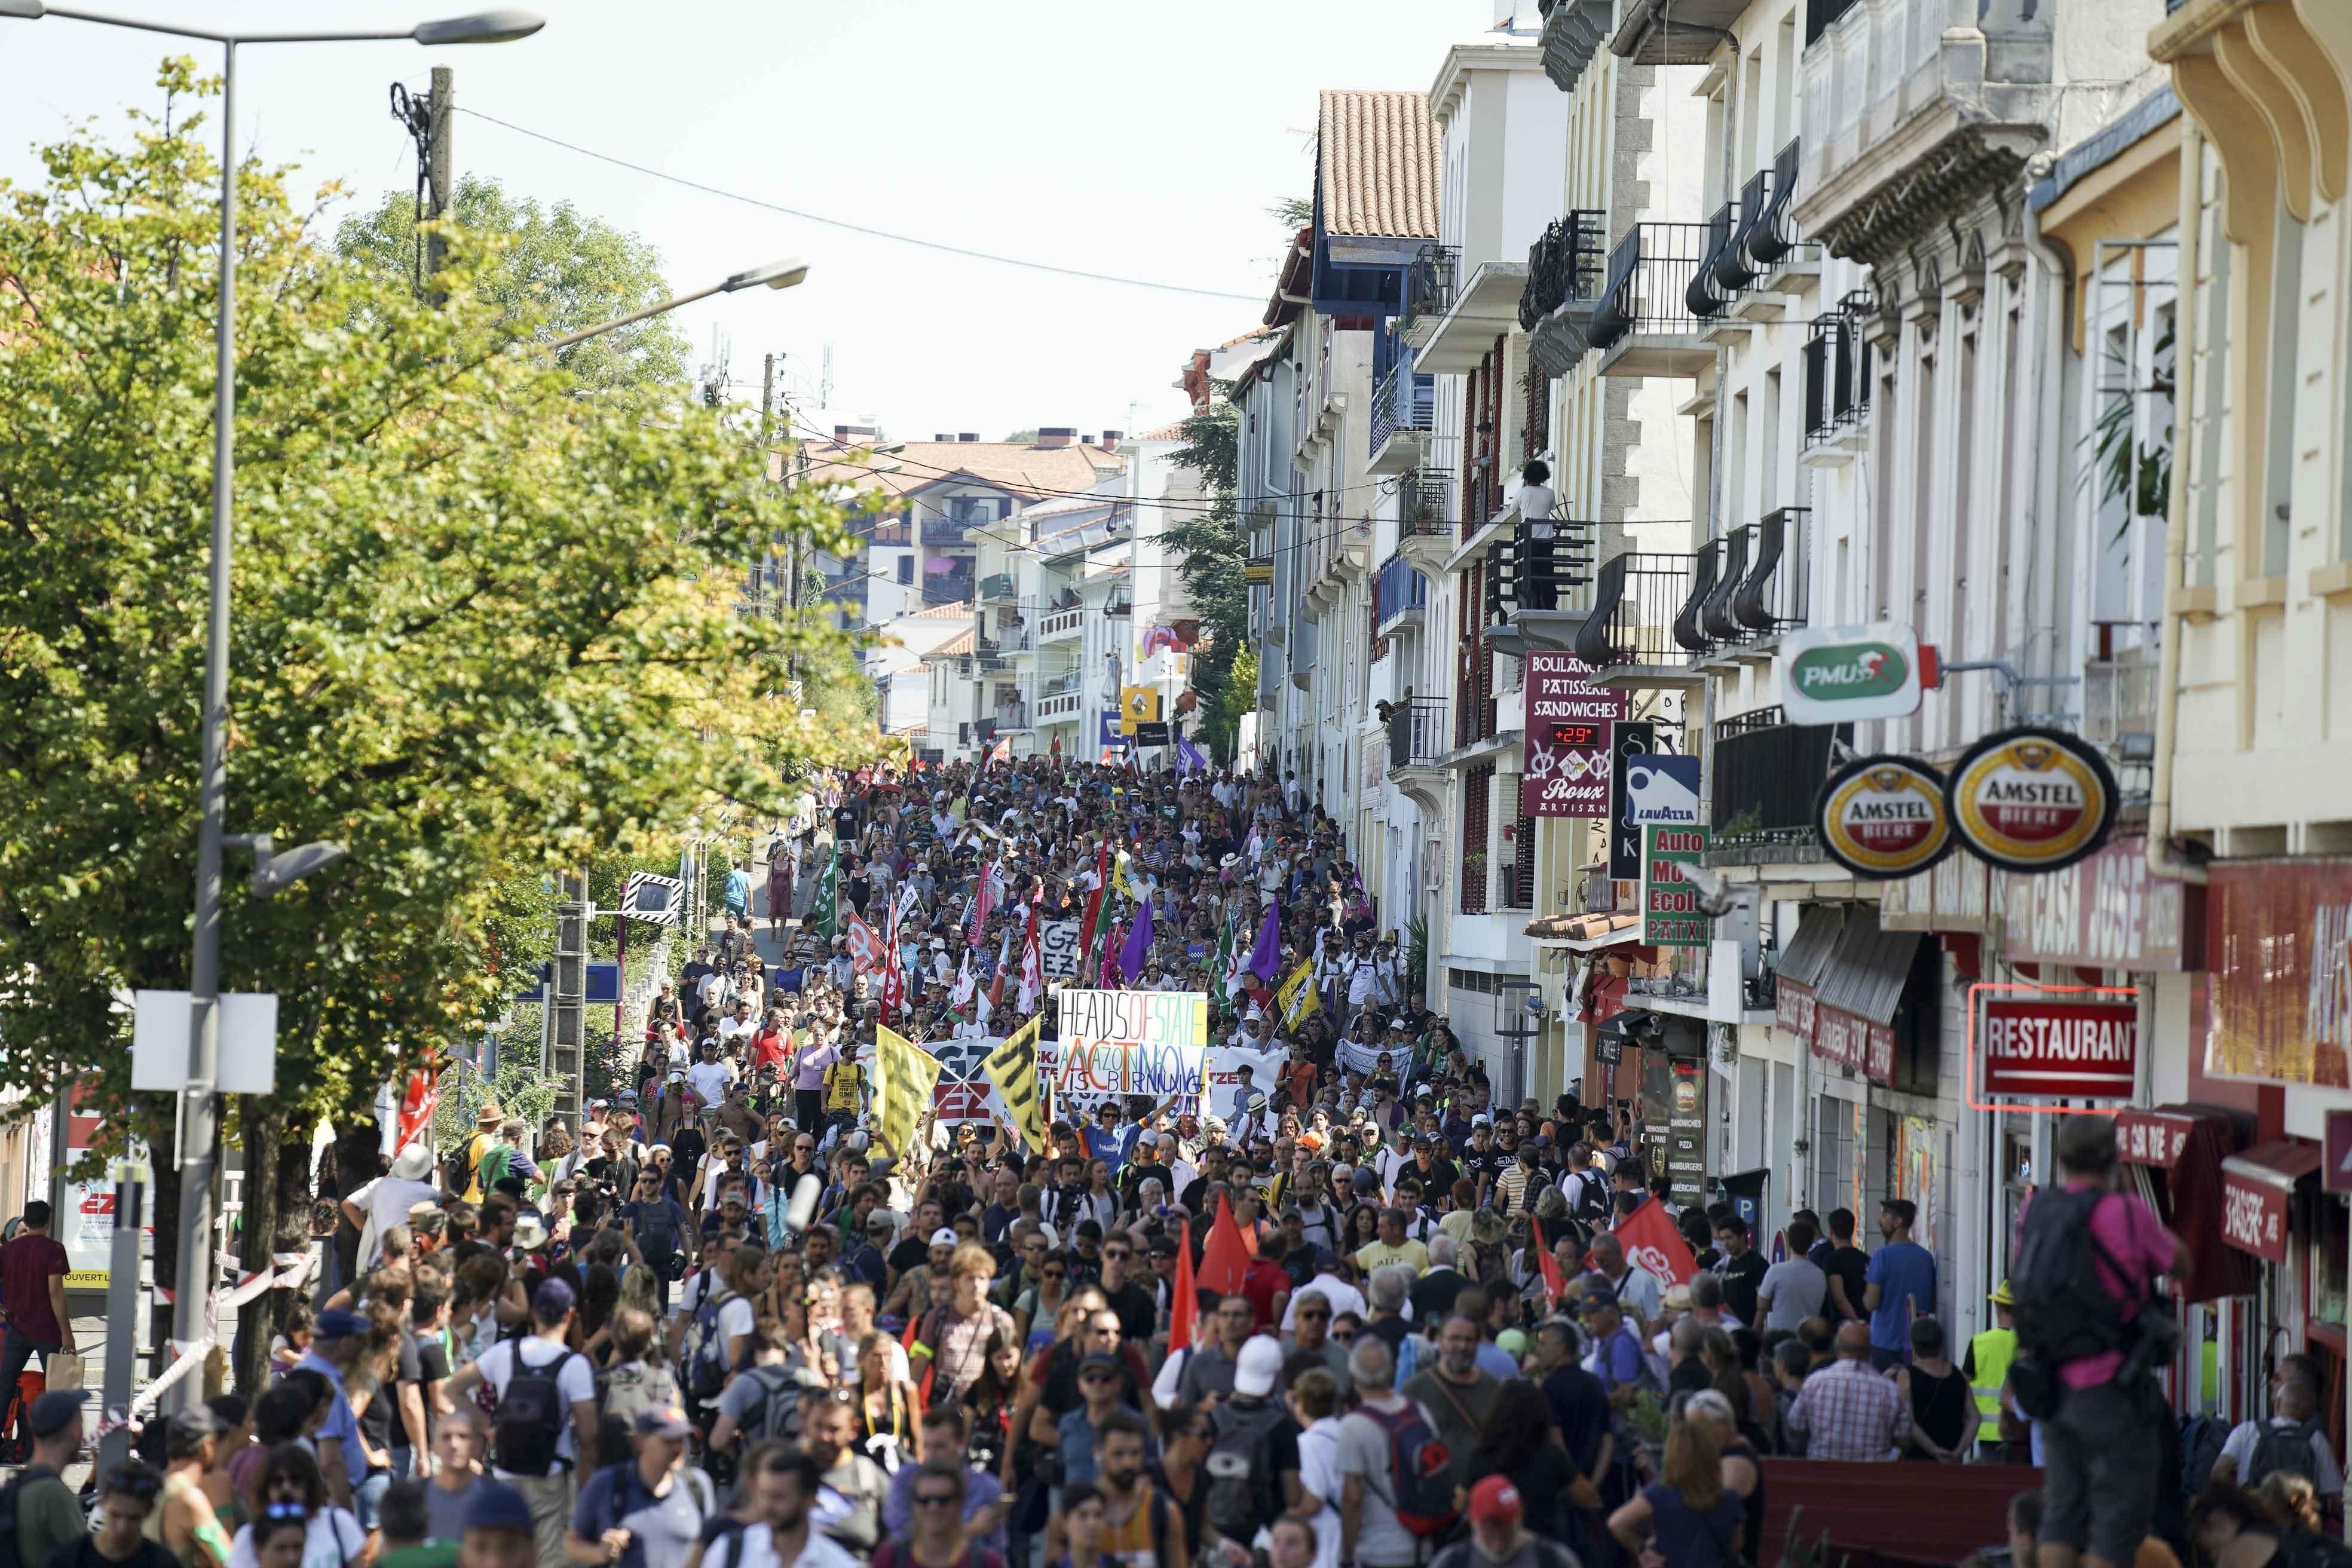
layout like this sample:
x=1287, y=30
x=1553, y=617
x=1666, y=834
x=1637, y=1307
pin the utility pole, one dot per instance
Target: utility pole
x=568, y=997
x=440, y=171
x=121, y=1310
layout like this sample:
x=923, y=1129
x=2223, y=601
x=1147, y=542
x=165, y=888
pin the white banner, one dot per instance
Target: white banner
x=1058, y=945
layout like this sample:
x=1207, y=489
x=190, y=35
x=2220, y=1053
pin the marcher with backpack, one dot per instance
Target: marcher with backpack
x=2089, y=1329
x=647, y=1511
x=2293, y=1441
x=1252, y=1463
x=540, y=1397
x=1396, y=1480
x=38, y=1512
x=764, y=1400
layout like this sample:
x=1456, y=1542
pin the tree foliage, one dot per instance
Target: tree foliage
x=554, y=271
x=1212, y=549
x=485, y=625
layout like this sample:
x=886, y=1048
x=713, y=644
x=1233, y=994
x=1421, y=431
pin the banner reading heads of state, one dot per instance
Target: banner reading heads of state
x=1131, y=1042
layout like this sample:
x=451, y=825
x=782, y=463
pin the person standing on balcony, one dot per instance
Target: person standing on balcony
x=1535, y=498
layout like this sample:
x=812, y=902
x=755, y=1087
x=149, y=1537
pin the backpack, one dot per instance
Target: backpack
x=458, y=1169
x=531, y=1417
x=1591, y=1203
x=494, y=1165
x=1244, y=1494
x=778, y=1410
x=2201, y=1440
x=702, y=1350
x=9, y=1554
x=2280, y=1451
x=1419, y=1469
x=2063, y=1313
x=658, y=1231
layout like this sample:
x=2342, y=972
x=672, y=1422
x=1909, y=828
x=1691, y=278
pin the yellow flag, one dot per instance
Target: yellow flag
x=1119, y=884
x=1012, y=1066
x=904, y=1077
x=1296, y=997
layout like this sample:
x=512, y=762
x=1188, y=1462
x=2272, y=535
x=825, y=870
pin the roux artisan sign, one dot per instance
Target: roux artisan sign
x=2031, y=800
x=1885, y=816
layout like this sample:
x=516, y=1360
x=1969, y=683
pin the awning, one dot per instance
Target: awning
x=2258, y=1188
x=2173, y=1157
x=1840, y=984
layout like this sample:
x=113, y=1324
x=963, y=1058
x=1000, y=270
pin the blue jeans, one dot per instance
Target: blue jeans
x=367, y=1494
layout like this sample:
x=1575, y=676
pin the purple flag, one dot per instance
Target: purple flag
x=1139, y=944
x=1189, y=757
x=1267, y=956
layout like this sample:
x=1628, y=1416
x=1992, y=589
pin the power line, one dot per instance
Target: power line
x=859, y=227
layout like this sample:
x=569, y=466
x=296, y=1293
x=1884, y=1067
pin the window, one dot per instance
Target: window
x=1478, y=788
x=907, y=570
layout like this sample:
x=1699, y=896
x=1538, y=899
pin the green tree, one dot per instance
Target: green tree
x=1212, y=551
x=554, y=271
x=485, y=630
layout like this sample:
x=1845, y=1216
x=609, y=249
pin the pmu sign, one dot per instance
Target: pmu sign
x=2078, y=1052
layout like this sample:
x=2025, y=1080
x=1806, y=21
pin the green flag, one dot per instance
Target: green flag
x=1223, y=975
x=824, y=913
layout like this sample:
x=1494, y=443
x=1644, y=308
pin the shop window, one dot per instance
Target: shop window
x=1837, y=1168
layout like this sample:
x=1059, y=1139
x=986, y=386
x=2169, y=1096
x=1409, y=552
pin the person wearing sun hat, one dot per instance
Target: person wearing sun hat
x=386, y=1201
x=485, y=1138
x=1987, y=1364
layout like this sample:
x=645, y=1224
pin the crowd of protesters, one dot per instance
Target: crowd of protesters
x=1361, y=1314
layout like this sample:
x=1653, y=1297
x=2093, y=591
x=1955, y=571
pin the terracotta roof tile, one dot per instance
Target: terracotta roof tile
x=1018, y=466
x=1378, y=165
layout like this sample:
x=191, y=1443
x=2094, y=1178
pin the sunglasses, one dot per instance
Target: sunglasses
x=935, y=1500
x=275, y=1510
x=1122, y=1252
x=1056, y=1274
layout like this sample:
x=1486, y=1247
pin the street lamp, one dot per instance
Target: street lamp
x=782, y=274
x=198, y=1128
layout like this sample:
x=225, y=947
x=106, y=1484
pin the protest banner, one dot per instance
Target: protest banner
x=1296, y=998
x=1058, y=945
x=905, y=1075
x=865, y=950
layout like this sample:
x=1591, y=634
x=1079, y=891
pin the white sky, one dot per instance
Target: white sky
x=1126, y=136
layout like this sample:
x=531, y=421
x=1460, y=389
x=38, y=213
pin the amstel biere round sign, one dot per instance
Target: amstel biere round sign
x=2031, y=800
x=1885, y=816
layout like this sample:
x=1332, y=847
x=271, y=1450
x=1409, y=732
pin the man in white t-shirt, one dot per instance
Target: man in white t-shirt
x=738, y=1024
x=785, y=1490
x=1368, y=1489
x=550, y=1495
x=713, y=1076
x=386, y=1202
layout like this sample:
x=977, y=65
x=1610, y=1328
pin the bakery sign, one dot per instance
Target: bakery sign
x=2030, y=800
x=2089, y=1051
x=1884, y=818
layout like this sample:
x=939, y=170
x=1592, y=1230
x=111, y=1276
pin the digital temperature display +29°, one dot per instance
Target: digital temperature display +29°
x=1577, y=735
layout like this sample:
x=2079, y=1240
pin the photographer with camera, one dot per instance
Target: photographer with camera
x=658, y=1226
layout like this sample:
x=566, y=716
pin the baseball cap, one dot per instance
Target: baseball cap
x=1097, y=1359
x=1482, y=1120
x=53, y=1412
x=661, y=1423
x=1494, y=1500
x=1597, y=1298
x=1325, y=1259
x=336, y=1323
x=943, y=1236
x=498, y=1506
x=1260, y=1365
x=552, y=1299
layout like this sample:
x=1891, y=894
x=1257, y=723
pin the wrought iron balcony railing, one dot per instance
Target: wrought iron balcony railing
x=1767, y=232
x=1567, y=264
x=1637, y=600
x=1418, y=736
x=950, y=532
x=1838, y=372
x=1429, y=282
x=1719, y=277
x=1770, y=597
x=1767, y=776
x=1425, y=504
x=1539, y=566
x=1647, y=289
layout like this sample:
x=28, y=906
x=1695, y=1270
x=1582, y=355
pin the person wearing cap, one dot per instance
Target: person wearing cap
x=648, y=1511
x=546, y=1351
x=48, y=1511
x=337, y=1337
x=185, y=1522
x=499, y=1529
x=1616, y=1358
x=1499, y=1536
x=1990, y=1354
x=384, y=1202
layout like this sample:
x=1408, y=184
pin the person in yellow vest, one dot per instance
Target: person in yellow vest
x=1989, y=1355
x=485, y=1139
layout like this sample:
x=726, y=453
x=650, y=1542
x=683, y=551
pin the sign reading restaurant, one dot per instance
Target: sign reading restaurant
x=2079, y=1052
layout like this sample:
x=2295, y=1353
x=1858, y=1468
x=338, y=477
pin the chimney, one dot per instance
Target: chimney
x=1110, y=440
x=1087, y=440
x=943, y=435
x=841, y=432
x=854, y=432
x=969, y=436
x=1056, y=435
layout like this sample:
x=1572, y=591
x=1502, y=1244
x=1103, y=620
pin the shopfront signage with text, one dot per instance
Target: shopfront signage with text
x=1884, y=817
x=2030, y=801
x=1836, y=675
x=1569, y=720
x=2053, y=1048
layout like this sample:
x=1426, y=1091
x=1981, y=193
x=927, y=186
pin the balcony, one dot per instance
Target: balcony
x=2119, y=684
x=947, y=532
x=1419, y=739
x=1060, y=626
x=1404, y=410
x=1429, y=285
x=1565, y=270
x=1485, y=306
x=1904, y=124
x=1012, y=717
x=1767, y=776
x=1838, y=378
x=1767, y=243
x=1643, y=323
x=1060, y=699
x=996, y=586
x=1015, y=636
x=1721, y=272
x=1401, y=595
x=1426, y=522
x=1643, y=630
x=946, y=588
x=1532, y=578
x=1574, y=31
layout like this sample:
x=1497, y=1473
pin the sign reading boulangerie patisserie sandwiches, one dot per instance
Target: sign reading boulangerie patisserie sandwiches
x=1568, y=728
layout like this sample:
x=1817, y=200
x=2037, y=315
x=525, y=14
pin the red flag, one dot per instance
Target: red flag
x=1184, y=1301
x=1226, y=1257
x=983, y=900
x=1652, y=1242
x=1032, y=964
x=1553, y=1283
x=893, y=979
x=416, y=1103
